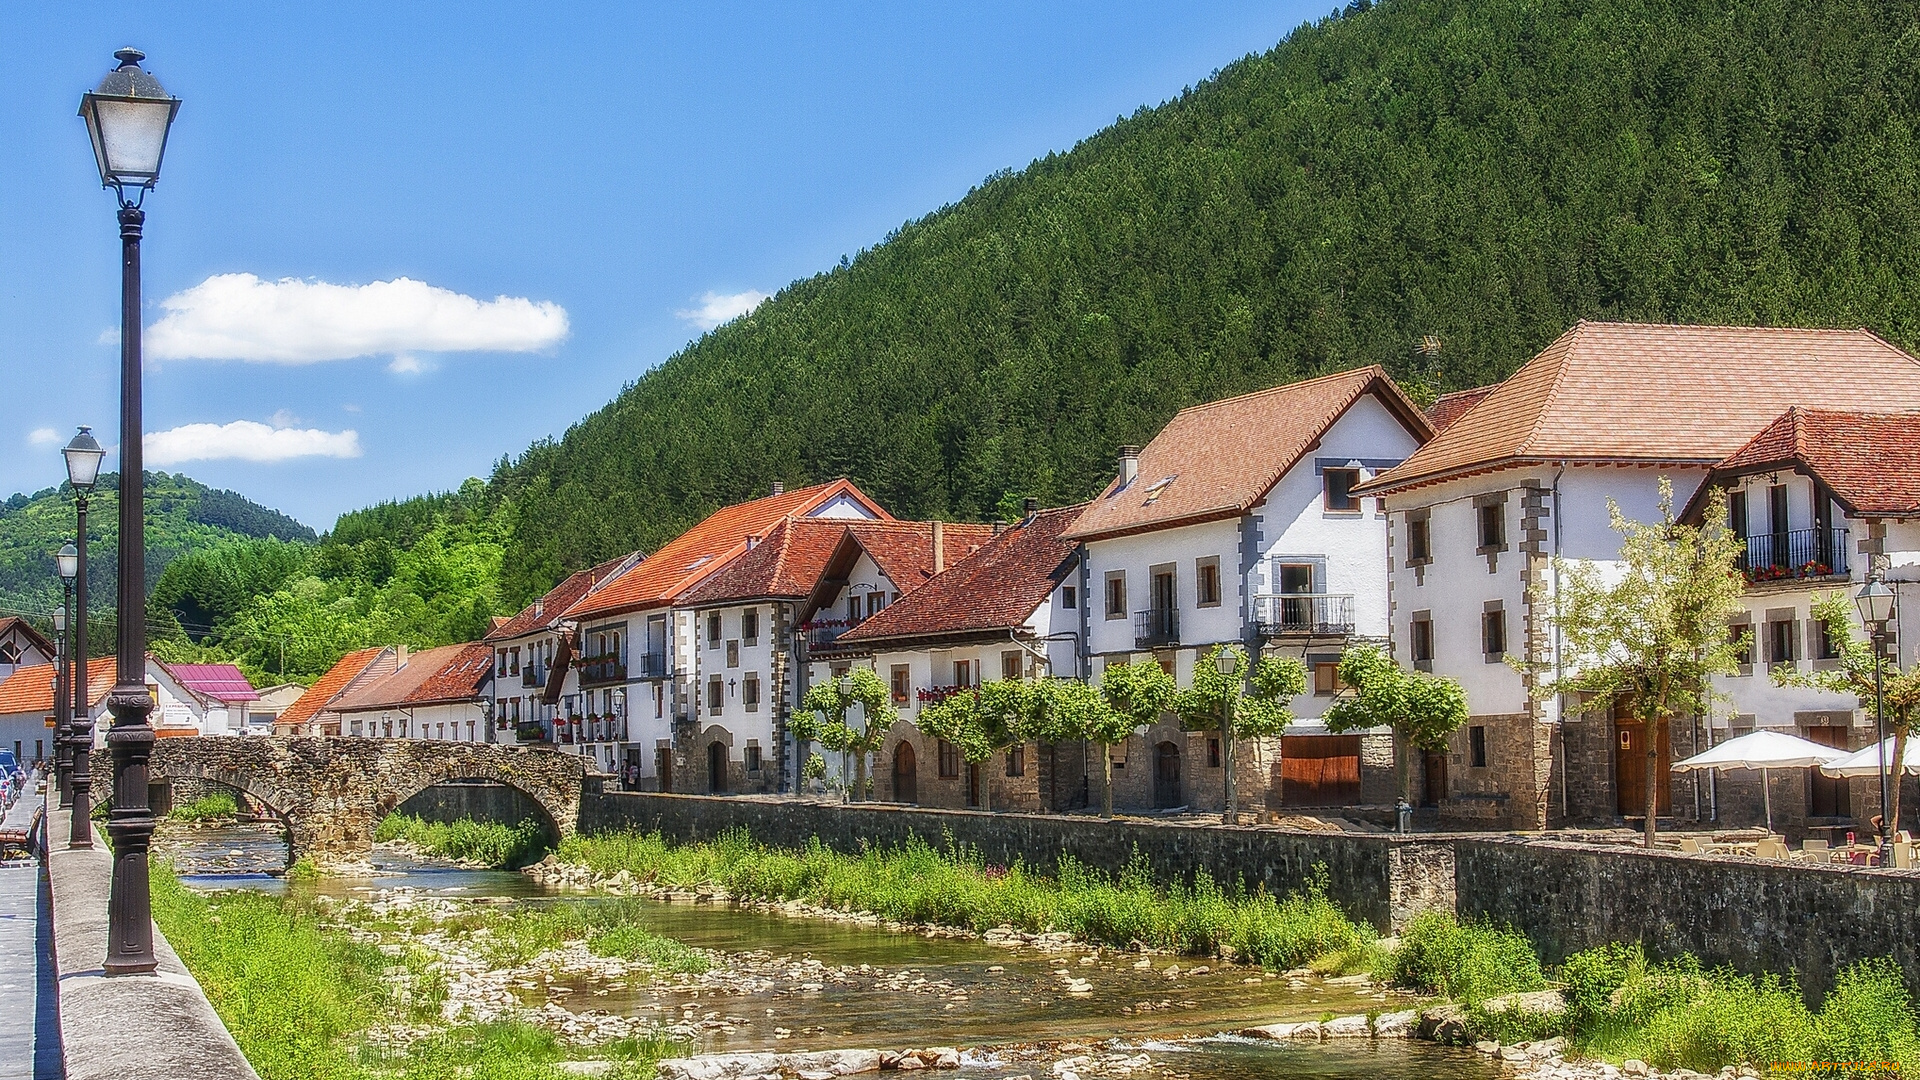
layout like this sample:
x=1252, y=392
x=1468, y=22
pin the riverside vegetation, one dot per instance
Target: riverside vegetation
x=490, y=844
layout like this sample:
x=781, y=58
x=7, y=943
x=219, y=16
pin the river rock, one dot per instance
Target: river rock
x=1540, y=1002
x=1444, y=1023
x=1634, y=1067
x=1346, y=1027
x=1396, y=1025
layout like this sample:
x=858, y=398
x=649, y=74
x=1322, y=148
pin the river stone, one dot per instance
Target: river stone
x=1346, y=1027
x=1444, y=1023
x=1396, y=1025
x=1539, y=1002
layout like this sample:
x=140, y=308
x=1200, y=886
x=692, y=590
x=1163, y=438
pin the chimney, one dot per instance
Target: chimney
x=779, y=487
x=540, y=608
x=1029, y=508
x=400, y=657
x=939, y=546
x=1129, y=464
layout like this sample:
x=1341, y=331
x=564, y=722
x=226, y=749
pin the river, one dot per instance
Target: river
x=792, y=983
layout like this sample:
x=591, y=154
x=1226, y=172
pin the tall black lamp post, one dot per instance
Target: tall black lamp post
x=66, y=561
x=83, y=456
x=128, y=116
x=1875, y=602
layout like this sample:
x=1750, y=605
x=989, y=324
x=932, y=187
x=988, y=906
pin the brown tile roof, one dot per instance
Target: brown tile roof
x=1450, y=407
x=904, y=549
x=1216, y=460
x=689, y=558
x=1658, y=393
x=558, y=599
x=800, y=553
x=30, y=689
x=997, y=588
x=1871, y=461
x=14, y=622
x=446, y=673
x=328, y=686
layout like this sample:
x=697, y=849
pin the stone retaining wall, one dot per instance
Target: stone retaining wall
x=474, y=801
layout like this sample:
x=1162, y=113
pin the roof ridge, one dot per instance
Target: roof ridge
x=1553, y=386
x=1375, y=371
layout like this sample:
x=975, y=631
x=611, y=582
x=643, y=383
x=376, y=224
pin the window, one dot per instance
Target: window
x=470, y=731
x=500, y=668
x=1823, y=648
x=1419, y=540
x=1213, y=751
x=1326, y=678
x=1012, y=664
x=1420, y=640
x=902, y=683
x=1780, y=641
x=751, y=758
x=965, y=672
x=1477, y=746
x=513, y=663
x=1737, y=513
x=716, y=695
x=949, y=759
x=713, y=631
x=1741, y=634
x=1206, y=581
x=733, y=654
x=1493, y=633
x=1016, y=761
x=1116, y=594
x=1069, y=597
x=1339, y=488
x=750, y=626
x=513, y=709
x=750, y=691
x=1491, y=518
x=1296, y=578
x=876, y=603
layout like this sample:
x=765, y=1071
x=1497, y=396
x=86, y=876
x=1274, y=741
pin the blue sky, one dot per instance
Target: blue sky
x=620, y=174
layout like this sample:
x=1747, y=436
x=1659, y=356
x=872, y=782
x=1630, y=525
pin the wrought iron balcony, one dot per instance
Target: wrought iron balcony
x=530, y=731
x=1156, y=627
x=602, y=669
x=1795, y=553
x=653, y=665
x=1303, y=614
x=532, y=677
x=822, y=633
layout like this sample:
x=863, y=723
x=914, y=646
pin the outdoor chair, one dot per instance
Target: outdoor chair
x=1903, y=856
x=1689, y=846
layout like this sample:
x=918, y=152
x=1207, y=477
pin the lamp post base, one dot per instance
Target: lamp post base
x=130, y=824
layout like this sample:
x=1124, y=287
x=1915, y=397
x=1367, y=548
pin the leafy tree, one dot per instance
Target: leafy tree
x=825, y=714
x=1853, y=674
x=1423, y=710
x=1256, y=704
x=1132, y=696
x=1654, y=625
x=980, y=720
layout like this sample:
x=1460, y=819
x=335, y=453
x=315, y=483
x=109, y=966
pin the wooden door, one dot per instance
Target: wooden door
x=1828, y=796
x=716, y=767
x=1319, y=770
x=1435, y=788
x=906, y=774
x=973, y=783
x=663, y=768
x=1166, y=777
x=1630, y=769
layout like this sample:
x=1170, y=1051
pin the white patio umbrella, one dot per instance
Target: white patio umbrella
x=1866, y=761
x=1763, y=750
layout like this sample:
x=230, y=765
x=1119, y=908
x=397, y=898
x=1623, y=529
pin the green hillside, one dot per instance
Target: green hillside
x=182, y=515
x=1482, y=171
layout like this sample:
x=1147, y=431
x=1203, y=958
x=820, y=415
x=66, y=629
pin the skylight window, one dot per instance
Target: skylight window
x=1159, y=488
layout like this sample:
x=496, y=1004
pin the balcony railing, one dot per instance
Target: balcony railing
x=1795, y=553
x=1303, y=614
x=599, y=669
x=824, y=632
x=653, y=665
x=1156, y=627
x=530, y=731
x=531, y=677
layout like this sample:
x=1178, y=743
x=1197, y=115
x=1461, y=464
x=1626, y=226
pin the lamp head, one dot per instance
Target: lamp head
x=1875, y=602
x=59, y=620
x=845, y=685
x=67, y=559
x=1226, y=662
x=83, y=456
x=128, y=116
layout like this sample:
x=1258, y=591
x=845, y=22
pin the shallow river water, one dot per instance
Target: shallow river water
x=809, y=984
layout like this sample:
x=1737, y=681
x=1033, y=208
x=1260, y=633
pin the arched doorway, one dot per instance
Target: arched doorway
x=716, y=767
x=1166, y=777
x=906, y=774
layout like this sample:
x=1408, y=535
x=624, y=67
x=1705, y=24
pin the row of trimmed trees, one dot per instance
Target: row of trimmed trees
x=1232, y=694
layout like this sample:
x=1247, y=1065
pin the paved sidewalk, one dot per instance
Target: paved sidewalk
x=29, y=1017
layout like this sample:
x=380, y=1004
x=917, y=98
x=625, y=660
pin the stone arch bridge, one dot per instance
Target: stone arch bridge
x=332, y=791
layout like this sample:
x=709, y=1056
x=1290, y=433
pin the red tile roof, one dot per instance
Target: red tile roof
x=689, y=558
x=329, y=686
x=1659, y=393
x=30, y=689
x=14, y=622
x=558, y=599
x=221, y=682
x=1450, y=407
x=802, y=552
x=1217, y=460
x=1871, y=461
x=997, y=588
x=446, y=673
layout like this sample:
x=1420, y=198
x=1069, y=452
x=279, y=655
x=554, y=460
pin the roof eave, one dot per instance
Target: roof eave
x=1199, y=517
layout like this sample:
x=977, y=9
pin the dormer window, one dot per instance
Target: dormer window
x=1337, y=486
x=1159, y=488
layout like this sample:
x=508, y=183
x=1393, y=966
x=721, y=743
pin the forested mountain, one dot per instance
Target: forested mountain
x=182, y=515
x=1483, y=172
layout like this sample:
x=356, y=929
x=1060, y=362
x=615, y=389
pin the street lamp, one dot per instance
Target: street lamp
x=67, y=562
x=1227, y=663
x=1875, y=602
x=128, y=116
x=83, y=454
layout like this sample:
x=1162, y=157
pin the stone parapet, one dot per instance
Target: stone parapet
x=133, y=1027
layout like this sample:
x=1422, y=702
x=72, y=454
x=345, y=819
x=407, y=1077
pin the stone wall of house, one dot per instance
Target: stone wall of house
x=1023, y=793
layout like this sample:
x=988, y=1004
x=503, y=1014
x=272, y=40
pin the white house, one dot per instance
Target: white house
x=311, y=712
x=1524, y=474
x=535, y=688
x=221, y=697
x=1238, y=524
x=22, y=646
x=438, y=693
x=26, y=706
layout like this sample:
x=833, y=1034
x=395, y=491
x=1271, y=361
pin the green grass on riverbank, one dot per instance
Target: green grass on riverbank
x=489, y=843
x=915, y=883
x=220, y=804
x=302, y=998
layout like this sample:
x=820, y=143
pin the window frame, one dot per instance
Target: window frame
x=1493, y=623
x=1206, y=578
x=948, y=756
x=716, y=630
x=750, y=691
x=900, y=683
x=1476, y=746
x=750, y=627
x=1326, y=491
x=1420, y=640
x=1114, y=594
x=1017, y=759
x=1419, y=538
x=1069, y=597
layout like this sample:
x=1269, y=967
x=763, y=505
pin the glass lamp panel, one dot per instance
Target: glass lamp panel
x=83, y=464
x=129, y=136
x=67, y=559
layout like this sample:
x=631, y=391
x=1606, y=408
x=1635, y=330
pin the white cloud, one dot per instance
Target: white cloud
x=247, y=440
x=43, y=436
x=716, y=308
x=284, y=418
x=240, y=317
